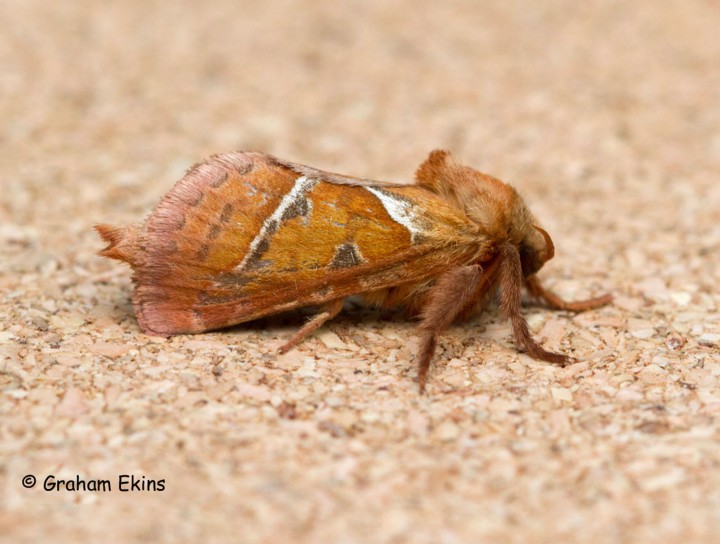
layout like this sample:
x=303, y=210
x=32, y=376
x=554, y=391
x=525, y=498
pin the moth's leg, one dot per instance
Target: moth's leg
x=328, y=311
x=553, y=301
x=452, y=293
x=511, y=281
x=483, y=292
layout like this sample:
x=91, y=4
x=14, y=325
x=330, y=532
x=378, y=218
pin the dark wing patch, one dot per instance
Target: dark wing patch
x=346, y=256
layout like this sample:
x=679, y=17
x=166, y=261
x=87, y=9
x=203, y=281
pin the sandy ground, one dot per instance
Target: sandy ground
x=605, y=115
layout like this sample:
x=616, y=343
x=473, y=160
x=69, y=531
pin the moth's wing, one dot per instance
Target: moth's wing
x=242, y=236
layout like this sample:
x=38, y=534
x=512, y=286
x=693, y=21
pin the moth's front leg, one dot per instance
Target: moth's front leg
x=553, y=301
x=511, y=282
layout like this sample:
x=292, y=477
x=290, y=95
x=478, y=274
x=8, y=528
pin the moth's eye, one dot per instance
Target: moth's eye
x=529, y=260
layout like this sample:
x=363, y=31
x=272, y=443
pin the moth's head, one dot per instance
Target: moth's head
x=494, y=206
x=536, y=248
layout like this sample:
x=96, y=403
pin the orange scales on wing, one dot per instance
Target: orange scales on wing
x=213, y=256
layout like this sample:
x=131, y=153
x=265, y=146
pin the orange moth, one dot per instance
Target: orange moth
x=244, y=235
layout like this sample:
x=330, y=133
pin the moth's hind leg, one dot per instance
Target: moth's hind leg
x=327, y=312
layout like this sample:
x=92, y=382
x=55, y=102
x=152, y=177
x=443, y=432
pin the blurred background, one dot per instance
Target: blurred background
x=604, y=114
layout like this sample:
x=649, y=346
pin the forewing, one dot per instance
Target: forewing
x=243, y=236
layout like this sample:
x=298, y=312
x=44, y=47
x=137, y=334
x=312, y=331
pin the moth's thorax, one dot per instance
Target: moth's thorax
x=494, y=206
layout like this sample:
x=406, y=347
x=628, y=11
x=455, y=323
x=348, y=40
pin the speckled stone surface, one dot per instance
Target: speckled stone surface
x=605, y=115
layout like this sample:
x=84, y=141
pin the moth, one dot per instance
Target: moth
x=244, y=235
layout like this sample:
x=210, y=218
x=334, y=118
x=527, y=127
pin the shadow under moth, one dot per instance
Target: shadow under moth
x=244, y=235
